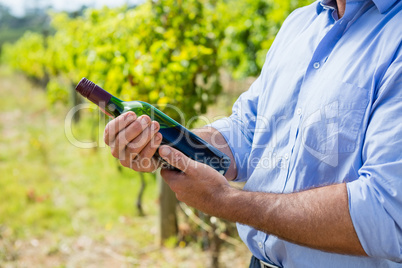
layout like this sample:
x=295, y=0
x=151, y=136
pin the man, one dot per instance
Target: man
x=317, y=137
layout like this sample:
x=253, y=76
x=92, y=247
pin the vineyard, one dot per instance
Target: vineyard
x=188, y=54
x=159, y=52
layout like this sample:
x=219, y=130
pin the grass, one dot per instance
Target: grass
x=63, y=206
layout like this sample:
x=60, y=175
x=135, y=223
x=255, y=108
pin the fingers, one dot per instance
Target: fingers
x=134, y=149
x=145, y=161
x=173, y=178
x=150, y=149
x=134, y=141
x=116, y=125
x=137, y=134
x=177, y=159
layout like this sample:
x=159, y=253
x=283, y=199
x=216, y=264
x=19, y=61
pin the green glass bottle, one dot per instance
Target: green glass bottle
x=172, y=132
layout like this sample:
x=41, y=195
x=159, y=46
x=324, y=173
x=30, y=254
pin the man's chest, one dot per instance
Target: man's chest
x=317, y=94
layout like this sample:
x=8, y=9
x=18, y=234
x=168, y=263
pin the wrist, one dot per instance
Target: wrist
x=224, y=202
x=249, y=208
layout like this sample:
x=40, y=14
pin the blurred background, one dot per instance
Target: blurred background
x=63, y=205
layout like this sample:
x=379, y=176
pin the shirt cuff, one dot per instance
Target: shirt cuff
x=375, y=227
x=238, y=143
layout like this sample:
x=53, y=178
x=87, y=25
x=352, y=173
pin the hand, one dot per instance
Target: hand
x=198, y=185
x=134, y=141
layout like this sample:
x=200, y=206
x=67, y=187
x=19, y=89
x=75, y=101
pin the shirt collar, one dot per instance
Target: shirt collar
x=382, y=5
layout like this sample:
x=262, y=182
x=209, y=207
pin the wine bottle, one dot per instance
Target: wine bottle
x=173, y=134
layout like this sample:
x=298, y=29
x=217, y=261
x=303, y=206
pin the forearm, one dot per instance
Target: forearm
x=215, y=138
x=317, y=218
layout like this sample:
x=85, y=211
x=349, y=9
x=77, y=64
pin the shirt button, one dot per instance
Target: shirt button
x=260, y=244
x=299, y=111
x=286, y=156
x=316, y=65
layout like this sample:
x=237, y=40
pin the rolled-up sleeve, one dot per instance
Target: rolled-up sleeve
x=238, y=129
x=375, y=199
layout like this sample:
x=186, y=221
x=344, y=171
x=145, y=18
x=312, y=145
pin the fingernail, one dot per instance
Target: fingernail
x=165, y=151
x=154, y=126
x=158, y=138
x=144, y=120
x=130, y=117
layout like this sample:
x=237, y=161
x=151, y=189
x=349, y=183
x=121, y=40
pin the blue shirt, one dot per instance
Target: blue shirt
x=327, y=109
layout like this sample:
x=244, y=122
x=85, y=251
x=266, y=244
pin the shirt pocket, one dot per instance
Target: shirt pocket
x=333, y=127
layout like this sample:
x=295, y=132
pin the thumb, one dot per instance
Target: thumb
x=176, y=158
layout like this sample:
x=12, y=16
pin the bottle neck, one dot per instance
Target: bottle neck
x=106, y=101
x=114, y=107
